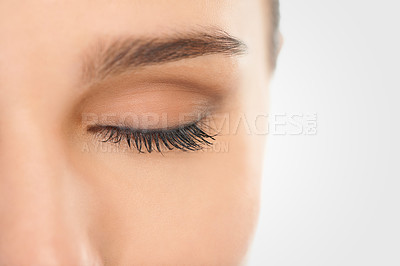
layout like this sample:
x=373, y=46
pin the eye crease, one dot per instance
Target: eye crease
x=190, y=137
x=135, y=86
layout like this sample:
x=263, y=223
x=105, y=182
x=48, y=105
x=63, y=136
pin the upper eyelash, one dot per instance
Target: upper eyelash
x=187, y=138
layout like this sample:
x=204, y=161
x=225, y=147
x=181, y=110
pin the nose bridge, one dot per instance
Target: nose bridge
x=42, y=221
x=36, y=226
x=28, y=145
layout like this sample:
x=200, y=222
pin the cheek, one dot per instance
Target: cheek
x=154, y=211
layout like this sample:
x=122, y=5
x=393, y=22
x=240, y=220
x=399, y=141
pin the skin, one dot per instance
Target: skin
x=68, y=199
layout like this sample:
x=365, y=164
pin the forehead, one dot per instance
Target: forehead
x=52, y=16
x=121, y=16
x=55, y=20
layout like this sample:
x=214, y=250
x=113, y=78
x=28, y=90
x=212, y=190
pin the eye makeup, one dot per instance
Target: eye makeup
x=152, y=120
x=157, y=112
x=190, y=137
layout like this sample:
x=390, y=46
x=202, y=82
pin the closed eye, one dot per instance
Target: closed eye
x=190, y=137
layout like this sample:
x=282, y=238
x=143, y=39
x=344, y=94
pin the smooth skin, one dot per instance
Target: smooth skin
x=68, y=199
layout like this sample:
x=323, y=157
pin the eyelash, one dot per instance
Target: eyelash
x=186, y=138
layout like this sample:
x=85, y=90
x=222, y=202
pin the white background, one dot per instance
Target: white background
x=334, y=198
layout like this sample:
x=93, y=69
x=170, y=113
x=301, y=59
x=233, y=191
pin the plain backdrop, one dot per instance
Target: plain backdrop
x=332, y=198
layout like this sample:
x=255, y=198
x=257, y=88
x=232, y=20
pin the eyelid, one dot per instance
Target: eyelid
x=190, y=137
x=153, y=108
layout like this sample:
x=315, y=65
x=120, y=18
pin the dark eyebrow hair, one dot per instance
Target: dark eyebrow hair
x=124, y=54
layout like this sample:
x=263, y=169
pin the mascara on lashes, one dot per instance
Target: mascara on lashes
x=191, y=137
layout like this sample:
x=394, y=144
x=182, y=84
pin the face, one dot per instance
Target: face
x=130, y=130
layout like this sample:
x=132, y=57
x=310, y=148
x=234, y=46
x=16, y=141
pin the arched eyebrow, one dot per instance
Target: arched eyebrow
x=110, y=57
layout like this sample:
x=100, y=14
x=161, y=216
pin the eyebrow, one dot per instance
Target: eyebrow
x=109, y=57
